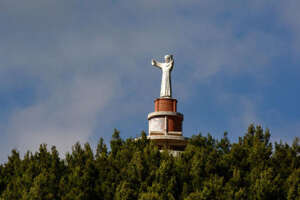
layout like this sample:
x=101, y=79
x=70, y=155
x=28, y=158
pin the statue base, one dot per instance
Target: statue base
x=165, y=125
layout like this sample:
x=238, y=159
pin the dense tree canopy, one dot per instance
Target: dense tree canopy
x=252, y=168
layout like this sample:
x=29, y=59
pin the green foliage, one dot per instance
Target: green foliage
x=251, y=168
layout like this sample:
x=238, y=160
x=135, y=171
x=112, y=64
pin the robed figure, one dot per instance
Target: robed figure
x=166, y=67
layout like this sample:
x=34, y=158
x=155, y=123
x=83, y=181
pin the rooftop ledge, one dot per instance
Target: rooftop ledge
x=166, y=137
x=164, y=113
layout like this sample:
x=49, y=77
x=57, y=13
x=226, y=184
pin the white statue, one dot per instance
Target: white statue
x=166, y=67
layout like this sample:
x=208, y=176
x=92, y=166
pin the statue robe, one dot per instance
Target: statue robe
x=166, y=88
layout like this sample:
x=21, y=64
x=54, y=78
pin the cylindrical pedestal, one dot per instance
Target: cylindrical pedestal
x=162, y=104
x=165, y=125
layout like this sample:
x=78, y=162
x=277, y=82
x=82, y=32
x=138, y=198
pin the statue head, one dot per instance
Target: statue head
x=168, y=58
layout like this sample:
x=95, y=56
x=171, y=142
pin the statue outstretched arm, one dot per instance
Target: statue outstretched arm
x=156, y=64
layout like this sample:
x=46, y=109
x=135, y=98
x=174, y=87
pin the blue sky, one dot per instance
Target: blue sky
x=75, y=70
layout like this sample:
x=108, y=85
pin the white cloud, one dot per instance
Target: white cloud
x=68, y=116
x=89, y=58
x=289, y=15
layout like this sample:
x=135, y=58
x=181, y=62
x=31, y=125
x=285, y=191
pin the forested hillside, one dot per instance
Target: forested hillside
x=252, y=168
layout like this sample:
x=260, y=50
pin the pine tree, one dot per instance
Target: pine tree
x=135, y=169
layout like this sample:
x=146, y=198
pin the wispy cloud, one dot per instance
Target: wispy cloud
x=68, y=116
x=89, y=63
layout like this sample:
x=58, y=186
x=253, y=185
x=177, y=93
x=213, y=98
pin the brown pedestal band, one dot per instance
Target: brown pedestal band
x=165, y=104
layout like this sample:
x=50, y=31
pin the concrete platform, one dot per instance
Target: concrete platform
x=170, y=142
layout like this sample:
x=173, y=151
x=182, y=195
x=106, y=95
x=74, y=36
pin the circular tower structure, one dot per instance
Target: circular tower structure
x=165, y=125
